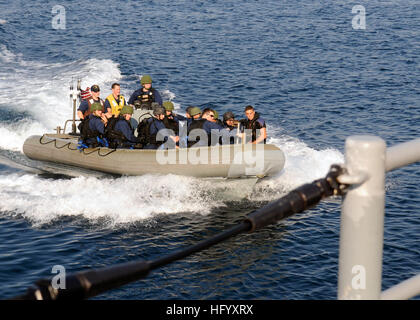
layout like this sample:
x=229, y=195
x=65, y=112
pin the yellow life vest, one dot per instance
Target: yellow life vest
x=115, y=107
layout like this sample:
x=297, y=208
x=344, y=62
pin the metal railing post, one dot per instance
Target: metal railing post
x=362, y=220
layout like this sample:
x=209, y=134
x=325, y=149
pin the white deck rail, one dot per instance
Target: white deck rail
x=362, y=218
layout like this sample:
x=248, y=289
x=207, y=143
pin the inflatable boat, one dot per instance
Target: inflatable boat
x=222, y=161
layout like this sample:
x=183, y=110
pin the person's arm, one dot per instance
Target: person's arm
x=128, y=133
x=107, y=109
x=262, y=137
x=82, y=109
x=80, y=114
x=180, y=117
x=133, y=97
x=98, y=125
x=158, y=98
x=263, y=132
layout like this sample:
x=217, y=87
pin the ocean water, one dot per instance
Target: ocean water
x=314, y=78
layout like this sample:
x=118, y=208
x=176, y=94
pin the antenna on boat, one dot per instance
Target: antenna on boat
x=79, y=89
x=74, y=96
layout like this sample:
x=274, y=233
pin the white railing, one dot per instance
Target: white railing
x=362, y=218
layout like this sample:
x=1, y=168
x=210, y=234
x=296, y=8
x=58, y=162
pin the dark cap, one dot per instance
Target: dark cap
x=158, y=111
x=95, y=88
x=228, y=115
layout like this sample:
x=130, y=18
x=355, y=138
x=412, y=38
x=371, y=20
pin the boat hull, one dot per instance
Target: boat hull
x=228, y=161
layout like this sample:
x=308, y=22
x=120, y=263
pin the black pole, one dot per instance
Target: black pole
x=87, y=284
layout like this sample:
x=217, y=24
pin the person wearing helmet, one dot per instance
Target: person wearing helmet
x=216, y=118
x=146, y=94
x=123, y=132
x=93, y=129
x=169, y=107
x=158, y=132
x=230, y=128
x=172, y=121
x=204, y=121
x=187, y=112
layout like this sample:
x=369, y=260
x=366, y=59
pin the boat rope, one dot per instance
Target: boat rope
x=55, y=143
x=83, y=150
x=86, y=284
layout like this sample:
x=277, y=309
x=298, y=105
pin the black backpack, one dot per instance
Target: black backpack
x=195, y=124
x=143, y=131
x=115, y=138
x=171, y=124
x=85, y=131
x=110, y=132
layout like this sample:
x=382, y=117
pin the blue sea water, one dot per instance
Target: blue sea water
x=314, y=78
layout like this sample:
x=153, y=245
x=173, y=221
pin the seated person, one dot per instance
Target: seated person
x=216, y=118
x=93, y=129
x=85, y=106
x=172, y=120
x=230, y=126
x=187, y=112
x=146, y=94
x=124, y=133
x=206, y=123
x=114, y=102
x=169, y=107
x=157, y=129
x=255, y=125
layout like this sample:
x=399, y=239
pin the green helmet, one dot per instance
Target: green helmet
x=194, y=111
x=146, y=79
x=126, y=110
x=95, y=107
x=216, y=114
x=168, y=105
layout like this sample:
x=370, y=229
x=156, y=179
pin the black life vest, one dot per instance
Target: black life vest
x=115, y=138
x=171, y=123
x=143, y=131
x=232, y=132
x=146, y=98
x=253, y=125
x=195, y=124
x=87, y=133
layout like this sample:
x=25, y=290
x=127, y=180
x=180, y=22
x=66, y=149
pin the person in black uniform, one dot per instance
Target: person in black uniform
x=255, y=124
